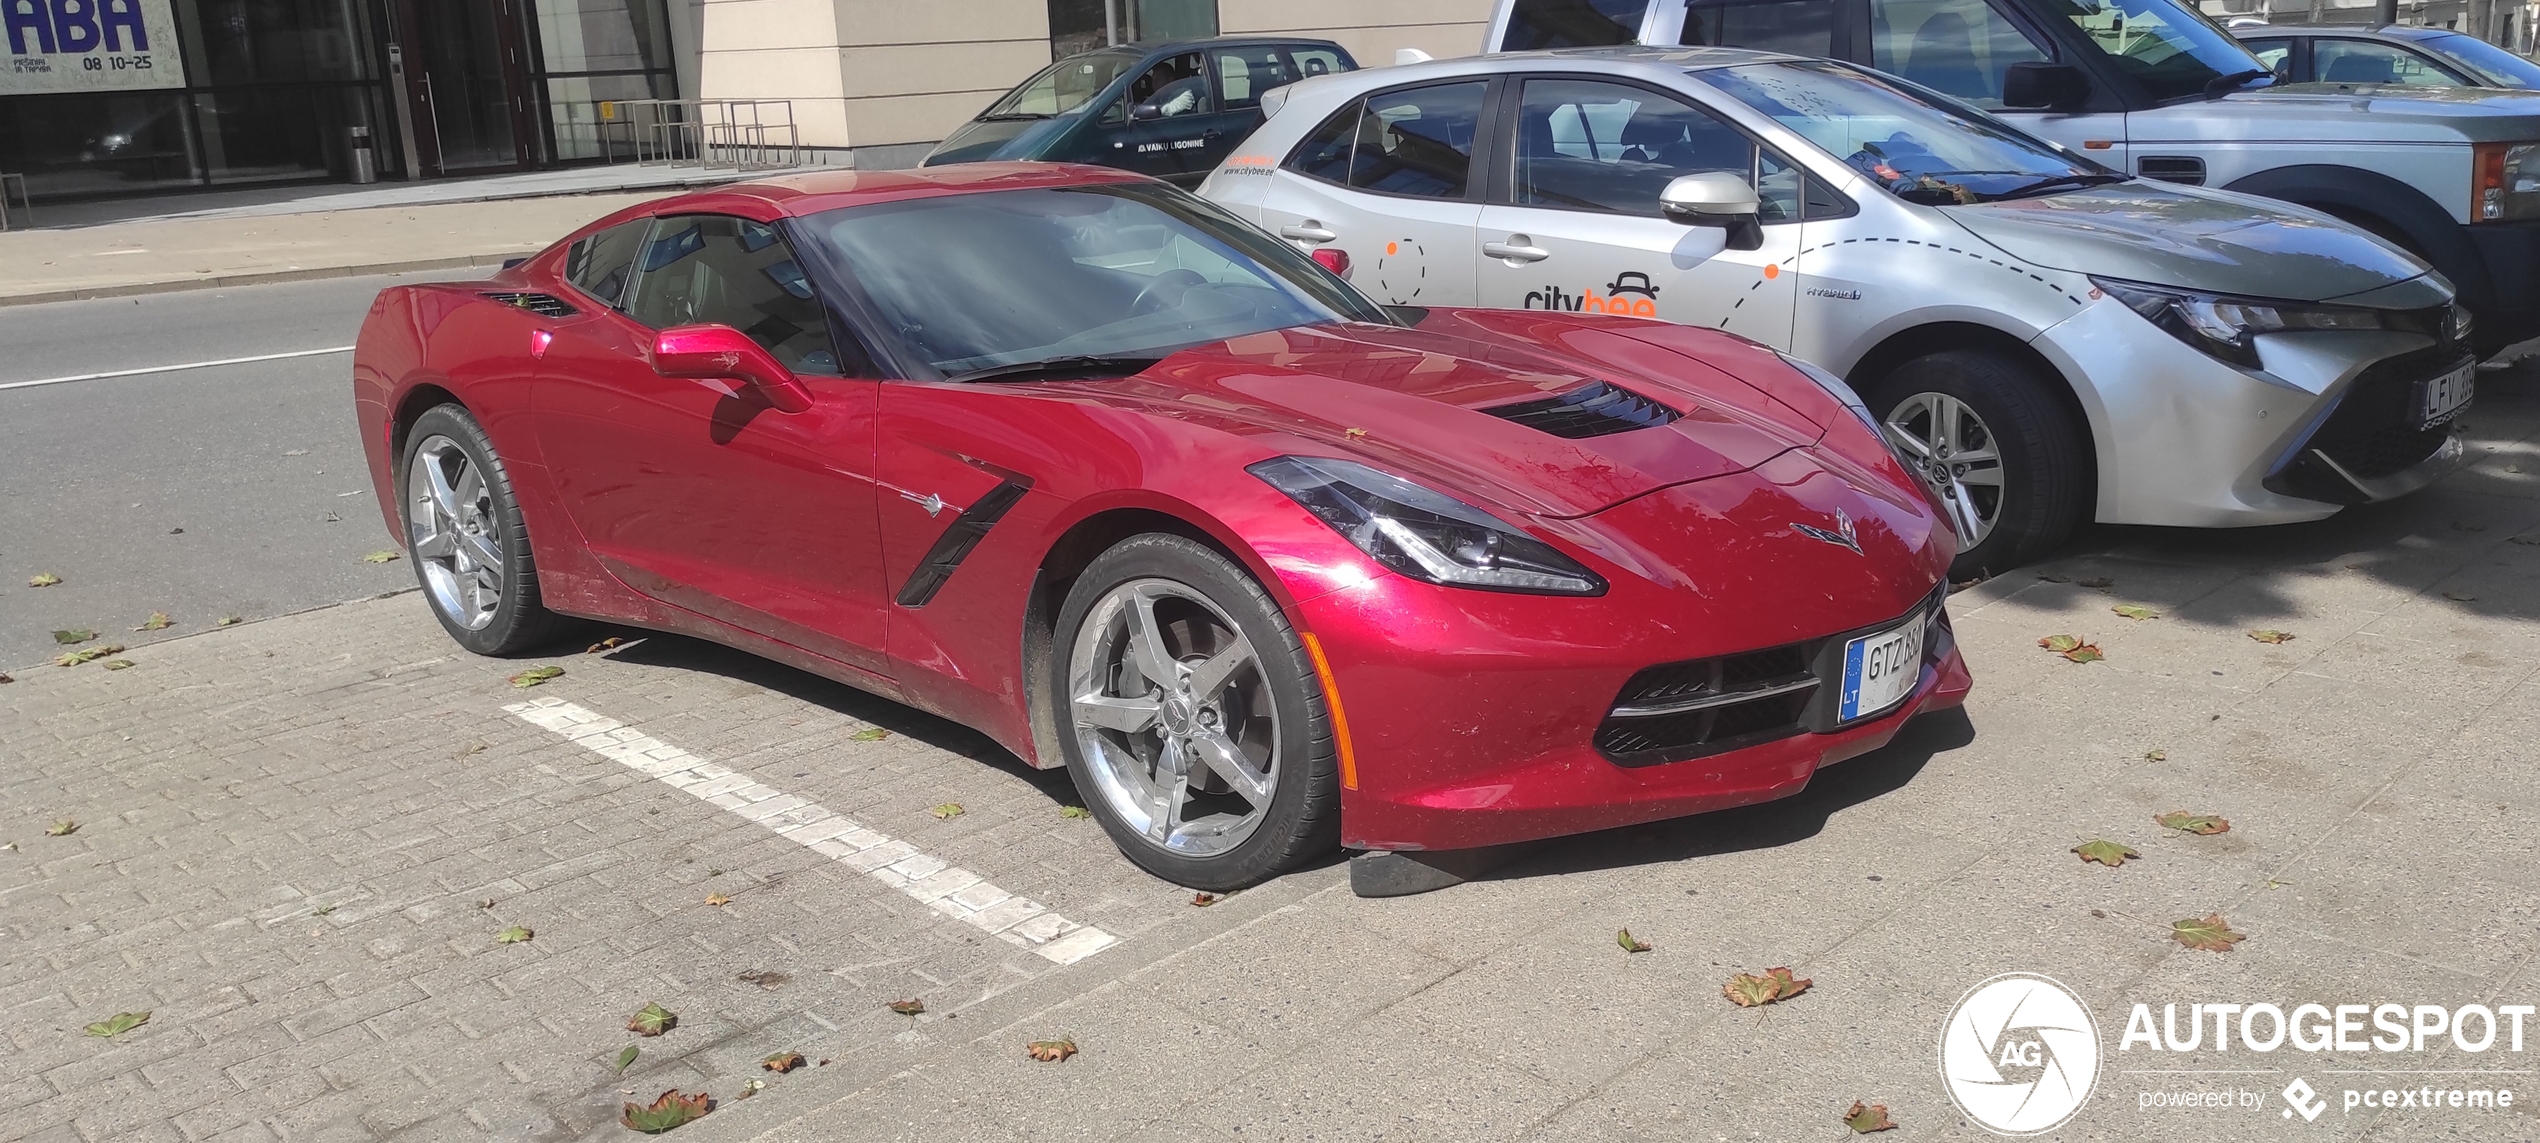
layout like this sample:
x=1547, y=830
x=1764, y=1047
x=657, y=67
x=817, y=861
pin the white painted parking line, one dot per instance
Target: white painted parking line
x=173, y=368
x=955, y=892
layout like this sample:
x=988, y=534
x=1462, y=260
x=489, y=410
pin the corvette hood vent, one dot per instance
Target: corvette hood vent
x=544, y=305
x=1588, y=411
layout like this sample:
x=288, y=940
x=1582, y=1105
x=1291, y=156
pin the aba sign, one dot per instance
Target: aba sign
x=87, y=45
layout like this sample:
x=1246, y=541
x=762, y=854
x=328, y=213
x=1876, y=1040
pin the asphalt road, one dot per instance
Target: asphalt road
x=230, y=490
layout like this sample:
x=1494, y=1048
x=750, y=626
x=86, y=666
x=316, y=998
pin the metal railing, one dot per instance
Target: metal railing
x=717, y=134
x=23, y=197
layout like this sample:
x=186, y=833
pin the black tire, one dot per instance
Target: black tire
x=2048, y=477
x=1302, y=821
x=519, y=621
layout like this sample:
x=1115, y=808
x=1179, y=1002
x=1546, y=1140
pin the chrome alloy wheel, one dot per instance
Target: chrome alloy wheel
x=1175, y=719
x=451, y=525
x=1941, y=440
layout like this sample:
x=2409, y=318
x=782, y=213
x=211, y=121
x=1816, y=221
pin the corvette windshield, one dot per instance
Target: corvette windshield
x=969, y=282
x=1062, y=87
x=1921, y=150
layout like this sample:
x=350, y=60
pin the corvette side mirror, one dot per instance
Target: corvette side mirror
x=719, y=352
x=1715, y=198
x=2048, y=86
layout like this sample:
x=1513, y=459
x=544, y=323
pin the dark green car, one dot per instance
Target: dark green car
x=1172, y=110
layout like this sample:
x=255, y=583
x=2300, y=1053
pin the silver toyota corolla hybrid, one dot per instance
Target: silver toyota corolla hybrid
x=2047, y=340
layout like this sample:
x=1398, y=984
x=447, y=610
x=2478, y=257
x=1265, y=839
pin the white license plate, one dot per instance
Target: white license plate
x=2440, y=397
x=1880, y=670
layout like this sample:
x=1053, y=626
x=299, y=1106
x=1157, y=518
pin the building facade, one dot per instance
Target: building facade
x=106, y=97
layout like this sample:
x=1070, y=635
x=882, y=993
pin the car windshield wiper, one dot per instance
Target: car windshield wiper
x=1014, y=115
x=1059, y=367
x=2223, y=85
x=2041, y=186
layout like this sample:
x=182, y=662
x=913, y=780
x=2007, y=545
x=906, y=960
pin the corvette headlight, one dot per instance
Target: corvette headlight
x=2504, y=182
x=2227, y=328
x=1837, y=389
x=1422, y=534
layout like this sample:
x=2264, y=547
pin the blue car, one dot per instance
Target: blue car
x=1171, y=110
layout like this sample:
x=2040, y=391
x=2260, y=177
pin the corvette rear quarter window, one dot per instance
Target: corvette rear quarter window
x=599, y=265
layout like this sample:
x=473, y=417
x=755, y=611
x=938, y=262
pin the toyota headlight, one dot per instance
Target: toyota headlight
x=2227, y=328
x=2504, y=182
x=1422, y=534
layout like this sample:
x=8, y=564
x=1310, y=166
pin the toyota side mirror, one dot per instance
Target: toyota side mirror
x=720, y=352
x=1716, y=198
x=2047, y=86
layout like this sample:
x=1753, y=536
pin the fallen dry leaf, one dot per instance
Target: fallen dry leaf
x=718, y=899
x=1074, y=812
x=609, y=644
x=62, y=828
x=44, y=579
x=88, y=655
x=948, y=811
x=2072, y=648
x=869, y=734
x=1866, y=1118
x=117, y=664
x=382, y=556
x=2156, y=755
x=158, y=621
x=672, y=1109
x=2136, y=613
x=1354, y=434
x=909, y=1007
x=69, y=638
x=782, y=1062
x=2459, y=596
x=2096, y=583
x=514, y=935
x=1051, y=1051
x=227, y=621
x=4, y=678
x=1630, y=943
x=626, y=1058
x=2104, y=852
x=2210, y=933
x=2051, y=577
x=535, y=676
x=2200, y=824
x=2059, y=643
x=750, y=1088
x=117, y=1024
x=652, y=1020
x=2270, y=635
x=1203, y=900
x=765, y=978
x=1748, y=990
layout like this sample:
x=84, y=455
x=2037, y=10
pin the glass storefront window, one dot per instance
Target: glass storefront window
x=266, y=134
x=601, y=35
x=573, y=107
x=1083, y=25
x=270, y=41
x=91, y=144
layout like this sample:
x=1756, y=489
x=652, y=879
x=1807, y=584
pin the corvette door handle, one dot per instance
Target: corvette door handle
x=1310, y=232
x=1515, y=250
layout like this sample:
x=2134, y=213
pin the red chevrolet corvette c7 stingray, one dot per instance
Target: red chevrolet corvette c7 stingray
x=1080, y=460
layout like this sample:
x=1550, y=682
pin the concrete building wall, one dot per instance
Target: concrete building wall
x=883, y=79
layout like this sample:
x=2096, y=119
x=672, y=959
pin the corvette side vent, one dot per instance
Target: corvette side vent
x=1590, y=411
x=544, y=305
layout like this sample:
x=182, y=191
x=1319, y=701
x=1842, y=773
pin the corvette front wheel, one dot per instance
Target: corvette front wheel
x=1191, y=718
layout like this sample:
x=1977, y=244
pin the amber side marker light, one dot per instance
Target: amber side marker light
x=1332, y=700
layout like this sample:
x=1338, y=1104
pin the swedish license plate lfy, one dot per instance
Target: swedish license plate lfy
x=2438, y=398
x=1880, y=670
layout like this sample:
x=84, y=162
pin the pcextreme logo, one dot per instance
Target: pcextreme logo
x=2019, y=1054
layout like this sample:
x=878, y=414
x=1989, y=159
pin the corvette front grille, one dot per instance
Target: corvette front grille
x=1676, y=711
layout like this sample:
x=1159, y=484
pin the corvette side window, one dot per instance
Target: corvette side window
x=601, y=264
x=716, y=269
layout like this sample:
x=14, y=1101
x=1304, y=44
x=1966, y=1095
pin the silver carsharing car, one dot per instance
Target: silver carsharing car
x=2046, y=340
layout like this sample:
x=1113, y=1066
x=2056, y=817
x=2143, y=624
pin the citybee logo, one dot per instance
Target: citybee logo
x=2019, y=1054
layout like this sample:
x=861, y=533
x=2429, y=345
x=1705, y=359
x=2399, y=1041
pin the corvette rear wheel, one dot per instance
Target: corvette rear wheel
x=2007, y=461
x=465, y=536
x=1191, y=719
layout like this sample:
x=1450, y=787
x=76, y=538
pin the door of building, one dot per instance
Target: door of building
x=465, y=90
